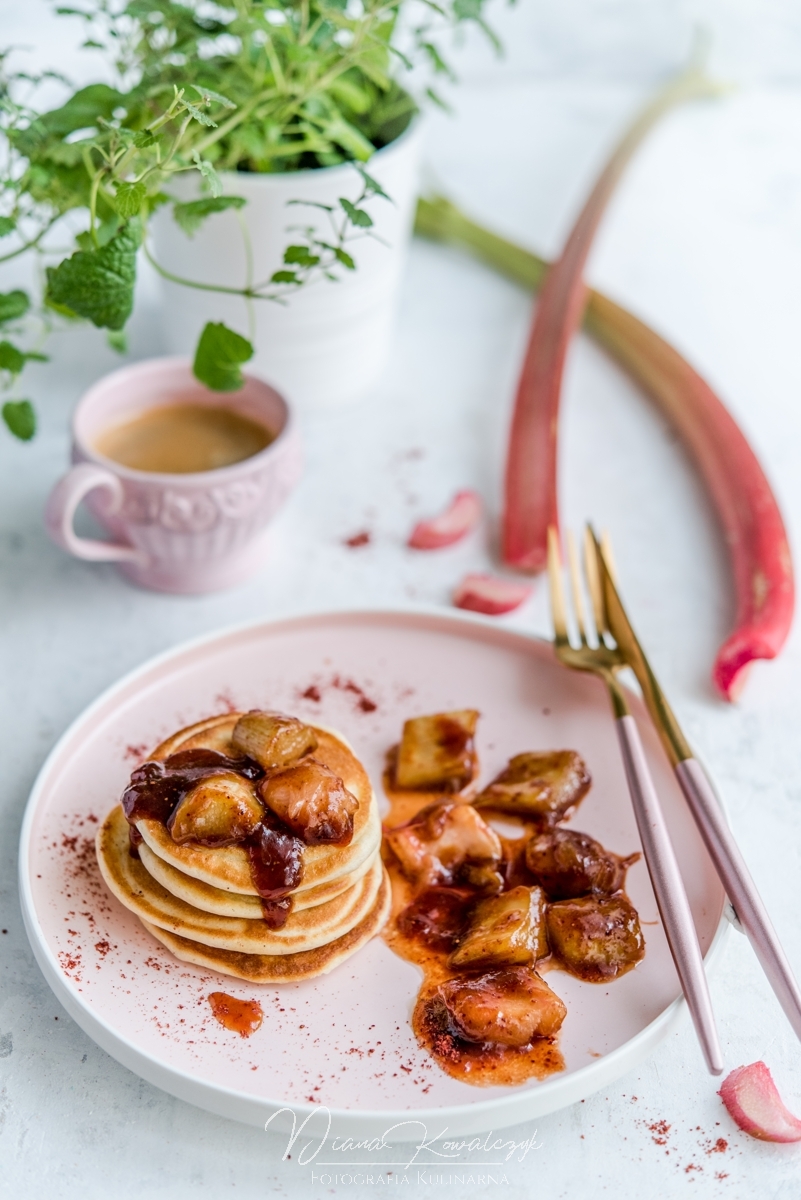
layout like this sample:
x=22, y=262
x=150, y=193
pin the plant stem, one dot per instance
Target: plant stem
x=251, y=293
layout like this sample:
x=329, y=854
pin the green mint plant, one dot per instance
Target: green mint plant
x=203, y=86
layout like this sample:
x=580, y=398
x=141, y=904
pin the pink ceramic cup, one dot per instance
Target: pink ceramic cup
x=176, y=533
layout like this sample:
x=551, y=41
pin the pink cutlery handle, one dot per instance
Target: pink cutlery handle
x=740, y=888
x=674, y=907
x=62, y=504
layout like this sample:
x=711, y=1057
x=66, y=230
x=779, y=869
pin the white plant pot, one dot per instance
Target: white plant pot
x=327, y=345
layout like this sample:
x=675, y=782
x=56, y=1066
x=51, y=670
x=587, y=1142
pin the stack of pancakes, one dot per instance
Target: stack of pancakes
x=200, y=902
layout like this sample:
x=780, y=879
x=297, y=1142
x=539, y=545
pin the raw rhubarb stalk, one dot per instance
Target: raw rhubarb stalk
x=490, y=595
x=459, y=518
x=531, y=484
x=753, y=1101
x=747, y=509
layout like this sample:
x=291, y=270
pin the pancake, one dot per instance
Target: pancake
x=228, y=867
x=305, y=929
x=234, y=904
x=283, y=968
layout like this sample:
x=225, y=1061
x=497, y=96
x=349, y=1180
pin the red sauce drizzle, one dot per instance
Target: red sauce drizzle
x=275, y=853
x=240, y=1016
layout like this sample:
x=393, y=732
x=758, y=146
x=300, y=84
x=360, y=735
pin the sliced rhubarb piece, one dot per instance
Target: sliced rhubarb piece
x=753, y=1101
x=531, y=493
x=749, y=515
x=490, y=595
x=459, y=518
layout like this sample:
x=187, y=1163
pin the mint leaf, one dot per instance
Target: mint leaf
x=344, y=258
x=13, y=305
x=11, y=359
x=372, y=185
x=357, y=215
x=207, y=94
x=301, y=255
x=99, y=284
x=191, y=216
x=200, y=116
x=209, y=174
x=7, y=226
x=283, y=277
x=128, y=199
x=20, y=418
x=83, y=110
x=219, y=354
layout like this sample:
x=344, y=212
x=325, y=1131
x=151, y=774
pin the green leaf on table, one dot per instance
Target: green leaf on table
x=20, y=419
x=357, y=216
x=207, y=94
x=11, y=359
x=190, y=216
x=218, y=357
x=13, y=305
x=128, y=199
x=98, y=284
x=345, y=258
x=7, y=226
x=300, y=256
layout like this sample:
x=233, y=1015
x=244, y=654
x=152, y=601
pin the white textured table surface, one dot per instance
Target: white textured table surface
x=703, y=241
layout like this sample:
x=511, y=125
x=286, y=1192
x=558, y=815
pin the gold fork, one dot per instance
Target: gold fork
x=612, y=621
x=593, y=655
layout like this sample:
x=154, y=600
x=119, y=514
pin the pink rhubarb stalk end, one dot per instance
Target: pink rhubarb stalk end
x=753, y=1101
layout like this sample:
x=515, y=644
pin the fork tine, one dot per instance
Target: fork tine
x=593, y=577
x=558, y=610
x=575, y=587
x=609, y=555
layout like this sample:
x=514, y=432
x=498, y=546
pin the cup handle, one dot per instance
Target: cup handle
x=60, y=511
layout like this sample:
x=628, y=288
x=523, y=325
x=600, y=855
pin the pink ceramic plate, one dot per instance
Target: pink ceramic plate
x=343, y=1040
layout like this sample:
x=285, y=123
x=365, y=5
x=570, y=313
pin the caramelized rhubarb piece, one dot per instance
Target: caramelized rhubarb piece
x=595, y=939
x=218, y=811
x=505, y=930
x=448, y=843
x=511, y=1007
x=438, y=751
x=312, y=801
x=547, y=786
x=436, y=917
x=273, y=739
x=567, y=864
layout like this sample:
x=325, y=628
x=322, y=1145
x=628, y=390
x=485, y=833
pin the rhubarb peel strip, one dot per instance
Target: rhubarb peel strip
x=753, y=1101
x=459, y=518
x=748, y=512
x=490, y=595
x=531, y=506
